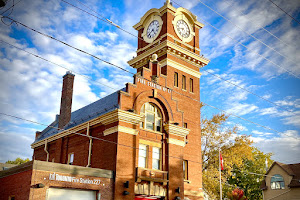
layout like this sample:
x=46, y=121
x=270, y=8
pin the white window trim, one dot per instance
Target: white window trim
x=160, y=156
x=144, y=113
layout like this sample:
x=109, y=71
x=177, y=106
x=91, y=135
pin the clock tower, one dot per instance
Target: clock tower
x=169, y=60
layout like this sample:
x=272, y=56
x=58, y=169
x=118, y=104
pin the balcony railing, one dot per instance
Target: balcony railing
x=151, y=175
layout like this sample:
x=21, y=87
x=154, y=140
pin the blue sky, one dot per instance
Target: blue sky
x=31, y=88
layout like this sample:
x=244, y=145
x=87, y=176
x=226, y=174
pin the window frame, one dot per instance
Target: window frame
x=159, y=160
x=11, y=197
x=191, y=85
x=147, y=155
x=185, y=169
x=277, y=182
x=183, y=82
x=175, y=79
x=157, y=116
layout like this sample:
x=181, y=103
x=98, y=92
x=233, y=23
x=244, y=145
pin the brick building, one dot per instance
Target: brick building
x=144, y=140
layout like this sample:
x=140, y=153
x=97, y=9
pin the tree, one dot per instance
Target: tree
x=238, y=155
x=18, y=161
x=217, y=134
x=249, y=177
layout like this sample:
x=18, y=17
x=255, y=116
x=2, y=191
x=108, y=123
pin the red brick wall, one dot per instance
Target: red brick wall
x=17, y=184
x=105, y=188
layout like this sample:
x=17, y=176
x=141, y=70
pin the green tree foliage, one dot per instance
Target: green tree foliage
x=237, y=153
x=249, y=177
x=18, y=161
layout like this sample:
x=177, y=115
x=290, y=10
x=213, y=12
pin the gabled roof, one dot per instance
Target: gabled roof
x=291, y=169
x=91, y=111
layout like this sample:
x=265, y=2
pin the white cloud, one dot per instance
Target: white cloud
x=284, y=147
x=241, y=109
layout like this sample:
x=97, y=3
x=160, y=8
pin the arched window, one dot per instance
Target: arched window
x=277, y=182
x=152, y=117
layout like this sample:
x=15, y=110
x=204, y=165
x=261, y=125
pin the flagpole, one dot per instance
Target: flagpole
x=220, y=174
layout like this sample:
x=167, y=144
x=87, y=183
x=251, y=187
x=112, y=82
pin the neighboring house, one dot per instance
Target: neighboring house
x=4, y=166
x=282, y=182
x=141, y=142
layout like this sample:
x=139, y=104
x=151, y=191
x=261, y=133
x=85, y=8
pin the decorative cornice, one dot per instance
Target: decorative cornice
x=176, y=142
x=172, y=129
x=108, y=118
x=122, y=129
x=180, y=67
x=172, y=48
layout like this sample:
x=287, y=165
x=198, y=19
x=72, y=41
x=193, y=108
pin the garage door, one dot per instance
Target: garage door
x=70, y=194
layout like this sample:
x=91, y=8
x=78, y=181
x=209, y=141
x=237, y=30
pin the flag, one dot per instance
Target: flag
x=221, y=161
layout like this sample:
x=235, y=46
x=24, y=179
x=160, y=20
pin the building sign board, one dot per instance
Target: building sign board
x=72, y=179
x=153, y=85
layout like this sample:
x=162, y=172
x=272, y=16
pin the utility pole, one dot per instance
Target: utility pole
x=220, y=174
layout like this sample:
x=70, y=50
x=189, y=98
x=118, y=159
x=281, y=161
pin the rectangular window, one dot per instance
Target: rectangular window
x=191, y=85
x=185, y=125
x=156, y=158
x=71, y=158
x=176, y=79
x=150, y=121
x=183, y=82
x=143, y=155
x=185, y=170
x=11, y=198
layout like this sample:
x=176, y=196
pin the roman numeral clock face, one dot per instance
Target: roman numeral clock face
x=183, y=28
x=152, y=29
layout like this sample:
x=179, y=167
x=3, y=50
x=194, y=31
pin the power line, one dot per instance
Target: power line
x=254, y=123
x=242, y=88
x=117, y=143
x=284, y=12
x=204, y=70
x=88, y=136
x=102, y=18
x=243, y=14
x=133, y=74
x=107, y=85
x=260, y=55
x=37, y=56
x=249, y=34
x=53, y=38
x=12, y=7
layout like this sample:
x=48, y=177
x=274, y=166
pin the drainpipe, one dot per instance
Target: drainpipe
x=90, y=145
x=45, y=149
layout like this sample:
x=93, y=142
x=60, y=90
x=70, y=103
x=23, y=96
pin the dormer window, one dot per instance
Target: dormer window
x=277, y=182
x=152, y=117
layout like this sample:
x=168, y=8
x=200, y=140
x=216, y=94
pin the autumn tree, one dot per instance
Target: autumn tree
x=235, y=147
x=243, y=163
x=249, y=176
x=18, y=161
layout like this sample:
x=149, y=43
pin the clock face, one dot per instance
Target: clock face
x=152, y=29
x=183, y=29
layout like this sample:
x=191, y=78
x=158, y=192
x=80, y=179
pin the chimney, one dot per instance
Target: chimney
x=37, y=134
x=66, y=100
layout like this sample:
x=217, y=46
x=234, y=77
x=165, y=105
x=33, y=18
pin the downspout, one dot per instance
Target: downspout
x=90, y=145
x=45, y=149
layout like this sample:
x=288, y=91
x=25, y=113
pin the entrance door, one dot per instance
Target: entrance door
x=70, y=194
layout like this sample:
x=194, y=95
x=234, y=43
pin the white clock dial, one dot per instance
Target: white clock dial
x=152, y=29
x=182, y=28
